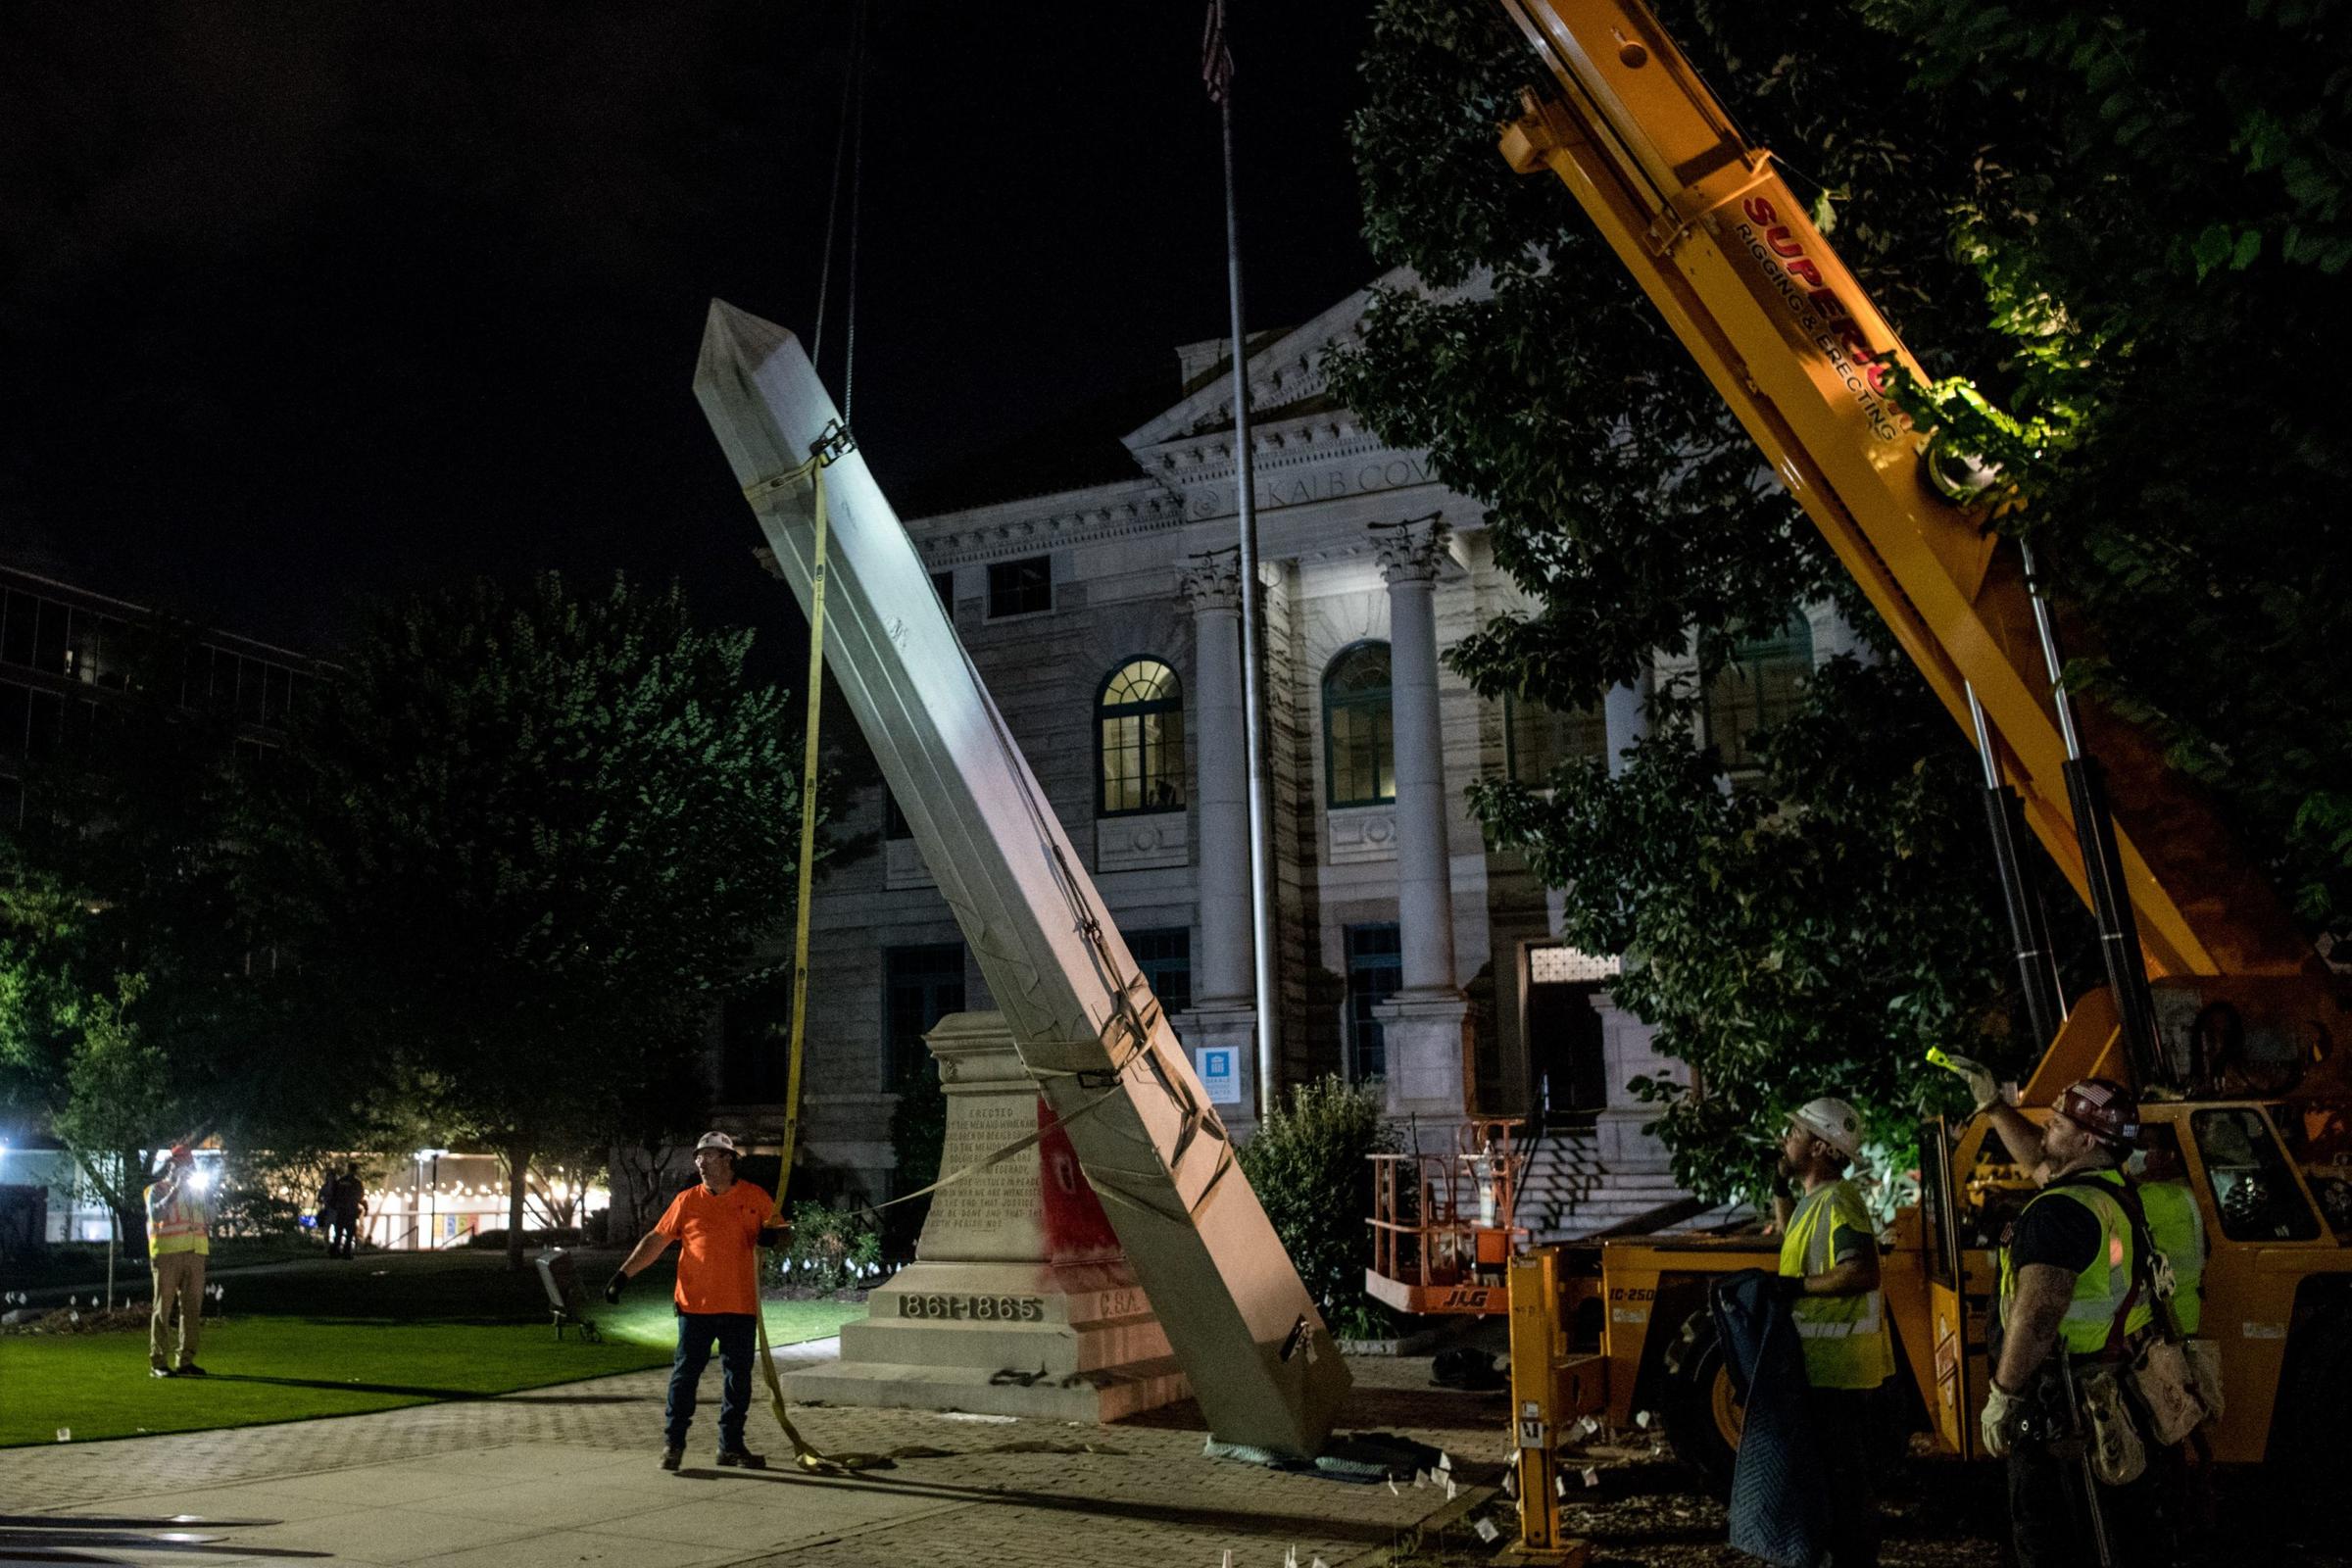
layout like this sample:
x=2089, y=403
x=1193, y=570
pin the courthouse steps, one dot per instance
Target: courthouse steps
x=1568, y=1191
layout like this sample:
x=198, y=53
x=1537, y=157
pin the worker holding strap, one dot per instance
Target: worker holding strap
x=719, y=1224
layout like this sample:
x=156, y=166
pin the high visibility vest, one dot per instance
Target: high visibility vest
x=2177, y=1229
x=2101, y=1288
x=177, y=1224
x=1844, y=1337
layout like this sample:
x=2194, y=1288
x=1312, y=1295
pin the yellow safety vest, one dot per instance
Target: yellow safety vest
x=2178, y=1230
x=1846, y=1338
x=177, y=1224
x=2100, y=1289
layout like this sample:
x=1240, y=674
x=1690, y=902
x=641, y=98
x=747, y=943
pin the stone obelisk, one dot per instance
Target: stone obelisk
x=1090, y=1033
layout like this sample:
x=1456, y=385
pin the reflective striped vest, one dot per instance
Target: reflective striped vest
x=1845, y=1338
x=2179, y=1231
x=177, y=1224
x=2100, y=1289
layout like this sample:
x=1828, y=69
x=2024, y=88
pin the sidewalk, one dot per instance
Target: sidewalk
x=566, y=1476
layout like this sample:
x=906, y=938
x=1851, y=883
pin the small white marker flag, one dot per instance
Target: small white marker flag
x=1216, y=61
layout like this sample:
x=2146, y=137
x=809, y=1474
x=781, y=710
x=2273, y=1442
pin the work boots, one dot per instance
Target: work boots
x=742, y=1459
x=673, y=1458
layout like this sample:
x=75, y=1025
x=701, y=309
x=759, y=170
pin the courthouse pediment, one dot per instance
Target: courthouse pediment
x=1310, y=449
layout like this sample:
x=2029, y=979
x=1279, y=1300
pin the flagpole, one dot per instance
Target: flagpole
x=1217, y=70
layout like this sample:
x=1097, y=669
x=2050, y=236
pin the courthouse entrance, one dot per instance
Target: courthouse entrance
x=1567, y=1071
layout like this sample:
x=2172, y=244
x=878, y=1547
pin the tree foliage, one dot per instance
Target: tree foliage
x=525, y=839
x=2164, y=264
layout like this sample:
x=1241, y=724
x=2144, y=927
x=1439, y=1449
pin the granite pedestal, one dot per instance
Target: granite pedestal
x=1019, y=1301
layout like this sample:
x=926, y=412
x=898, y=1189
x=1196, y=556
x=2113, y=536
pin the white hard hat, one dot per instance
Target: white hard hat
x=719, y=1140
x=1833, y=1122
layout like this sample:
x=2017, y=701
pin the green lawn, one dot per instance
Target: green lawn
x=325, y=1339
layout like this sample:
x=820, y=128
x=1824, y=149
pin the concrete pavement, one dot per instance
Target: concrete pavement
x=568, y=1476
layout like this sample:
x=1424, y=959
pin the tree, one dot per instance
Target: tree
x=526, y=838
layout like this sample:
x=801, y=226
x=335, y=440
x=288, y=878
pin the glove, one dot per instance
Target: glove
x=775, y=1235
x=614, y=1286
x=1992, y=1427
x=1790, y=1286
x=1979, y=1080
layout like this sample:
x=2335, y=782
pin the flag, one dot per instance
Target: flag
x=1216, y=61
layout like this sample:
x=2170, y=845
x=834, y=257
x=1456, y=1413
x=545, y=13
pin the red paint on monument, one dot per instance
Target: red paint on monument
x=1077, y=1231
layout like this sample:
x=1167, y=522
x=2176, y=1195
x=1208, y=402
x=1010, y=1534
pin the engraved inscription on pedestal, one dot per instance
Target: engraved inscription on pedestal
x=998, y=1212
x=1019, y=1301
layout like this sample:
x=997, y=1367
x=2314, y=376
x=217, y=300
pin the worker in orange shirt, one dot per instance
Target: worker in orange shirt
x=718, y=1225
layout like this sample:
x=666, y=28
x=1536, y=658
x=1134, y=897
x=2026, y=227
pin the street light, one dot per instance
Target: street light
x=433, y=1155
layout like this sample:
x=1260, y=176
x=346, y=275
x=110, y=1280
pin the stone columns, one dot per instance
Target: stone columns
x=1409, y=554
x=1213, y=590
x=1426, y=1025
x=1224, y=1014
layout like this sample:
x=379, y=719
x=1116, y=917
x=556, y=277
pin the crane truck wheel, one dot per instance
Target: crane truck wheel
x=1703, y=1414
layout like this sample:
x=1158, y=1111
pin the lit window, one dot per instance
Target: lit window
x=1538, y=741
x=1359, y=748
x=1138, y=733
x=1565, y=966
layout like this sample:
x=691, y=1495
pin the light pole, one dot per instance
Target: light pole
x=434, y=1155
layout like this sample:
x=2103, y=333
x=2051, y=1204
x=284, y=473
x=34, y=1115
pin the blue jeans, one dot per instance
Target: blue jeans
x=737, y=1337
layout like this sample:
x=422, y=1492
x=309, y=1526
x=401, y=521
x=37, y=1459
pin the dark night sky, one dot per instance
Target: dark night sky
x=300, y=301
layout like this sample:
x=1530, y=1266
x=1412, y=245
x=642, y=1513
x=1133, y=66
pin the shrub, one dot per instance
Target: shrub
x=1309, y=1164
x=831, y=1247
x=560, y=1236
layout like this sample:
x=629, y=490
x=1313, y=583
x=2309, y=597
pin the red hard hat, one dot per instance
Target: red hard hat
x=2102, y=1108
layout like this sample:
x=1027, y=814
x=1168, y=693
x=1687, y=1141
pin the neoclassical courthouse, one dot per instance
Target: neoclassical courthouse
x=1105, y=621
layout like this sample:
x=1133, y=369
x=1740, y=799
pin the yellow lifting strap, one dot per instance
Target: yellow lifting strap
x=804, y=1454
x=835, y=441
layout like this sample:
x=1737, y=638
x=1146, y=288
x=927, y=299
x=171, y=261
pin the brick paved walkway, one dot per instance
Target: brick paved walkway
x=568, y=1476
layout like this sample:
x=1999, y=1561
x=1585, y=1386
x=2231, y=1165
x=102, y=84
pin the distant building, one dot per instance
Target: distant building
x=66, y=657
x=66, y=654
x=1105, y=619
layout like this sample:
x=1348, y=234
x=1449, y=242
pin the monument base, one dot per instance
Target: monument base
x=1063, y=1342
x=1019, y=1301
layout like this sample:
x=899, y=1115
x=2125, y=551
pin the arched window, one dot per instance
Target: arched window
x=1360, y=744
x=1138, y=740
